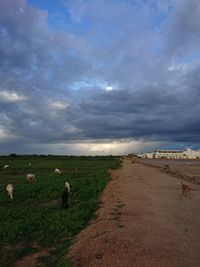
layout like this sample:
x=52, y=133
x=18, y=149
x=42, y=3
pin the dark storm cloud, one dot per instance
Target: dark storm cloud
x=147, y=53
x=151, y=113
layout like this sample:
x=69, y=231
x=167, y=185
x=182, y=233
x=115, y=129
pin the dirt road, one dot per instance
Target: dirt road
x=144, y=220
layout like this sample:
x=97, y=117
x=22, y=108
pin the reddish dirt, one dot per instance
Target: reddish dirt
x=144, y=220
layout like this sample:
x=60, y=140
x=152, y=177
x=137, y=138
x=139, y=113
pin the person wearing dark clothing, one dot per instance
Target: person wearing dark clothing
x=65, y=196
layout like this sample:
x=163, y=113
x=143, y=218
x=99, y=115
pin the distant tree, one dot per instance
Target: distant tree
x=13, y=155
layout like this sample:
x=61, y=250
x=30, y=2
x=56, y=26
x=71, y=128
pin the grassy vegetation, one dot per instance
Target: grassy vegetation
x=35, y=219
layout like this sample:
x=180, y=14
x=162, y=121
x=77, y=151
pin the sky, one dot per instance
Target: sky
x=96, y=77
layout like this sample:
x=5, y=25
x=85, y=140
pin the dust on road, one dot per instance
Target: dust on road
x=144, y=220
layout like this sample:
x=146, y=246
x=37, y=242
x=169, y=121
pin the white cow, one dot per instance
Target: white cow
x=57, y=171
x=30, y=177
x=10, y=189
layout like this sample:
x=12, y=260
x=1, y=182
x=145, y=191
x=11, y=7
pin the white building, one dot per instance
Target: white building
x=171, y=154
x=192, y=154
x=147, y=155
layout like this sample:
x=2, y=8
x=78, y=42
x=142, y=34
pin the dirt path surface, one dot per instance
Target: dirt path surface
x=144, y=220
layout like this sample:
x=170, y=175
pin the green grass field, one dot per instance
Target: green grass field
x=35, y=219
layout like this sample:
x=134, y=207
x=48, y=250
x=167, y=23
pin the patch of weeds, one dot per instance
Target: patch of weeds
x=96, y=216
x=65, y=263
x=120, y=205
x=99, y=255
x=99, y=234
x=118, y=213
x=96, y=235
x=116, y=218
x=120, y=225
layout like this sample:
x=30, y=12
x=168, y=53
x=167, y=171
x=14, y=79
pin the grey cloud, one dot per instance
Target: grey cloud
x=183, y=30
x=29, y=49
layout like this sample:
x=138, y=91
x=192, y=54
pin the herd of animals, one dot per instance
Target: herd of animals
x=68, y=187
x=31, y=178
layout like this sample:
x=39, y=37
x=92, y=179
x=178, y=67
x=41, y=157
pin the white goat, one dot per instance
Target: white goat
x=57, y=171
x=29, y=164
x=6, y=166
x=10, y=189
x=30, y=177
x=68, y=186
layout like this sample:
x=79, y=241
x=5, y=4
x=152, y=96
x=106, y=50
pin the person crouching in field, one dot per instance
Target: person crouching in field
x=65, y=195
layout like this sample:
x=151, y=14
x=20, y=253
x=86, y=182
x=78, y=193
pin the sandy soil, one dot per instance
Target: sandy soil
x=144, y=220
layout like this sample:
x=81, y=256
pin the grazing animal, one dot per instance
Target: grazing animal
x=166, y=168
x=6, y=166
x=57, y=171
x=30, y=177
x=185, y=188
x=29, y=164
x=65, y=194
x=68, y=186
x=10, y=189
